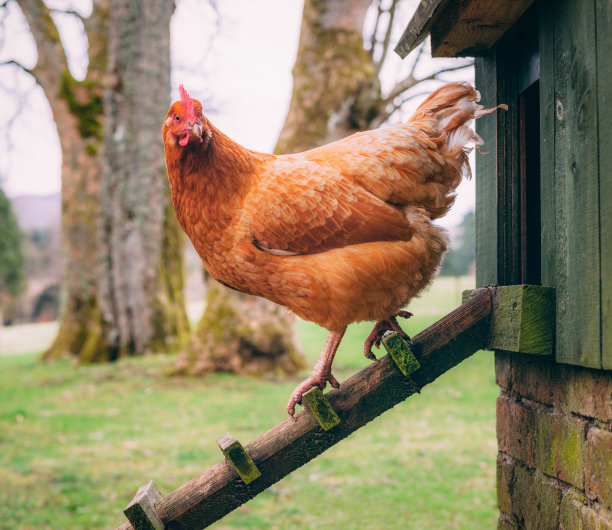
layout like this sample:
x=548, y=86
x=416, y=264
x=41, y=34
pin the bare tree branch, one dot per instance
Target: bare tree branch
x=5, y=3
x=18, y=64
x=387, y=39
x=411, y=81
x=373, y=41
x=392, y=107
x=71, y=12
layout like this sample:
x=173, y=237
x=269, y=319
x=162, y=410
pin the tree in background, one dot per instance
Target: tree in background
x=11, y=257
x=336, y=92
x=459, y=260
x=122, y=272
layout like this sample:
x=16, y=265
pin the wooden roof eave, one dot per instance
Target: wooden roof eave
x=462, y=27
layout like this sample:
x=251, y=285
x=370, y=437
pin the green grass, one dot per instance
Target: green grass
x=77, y=442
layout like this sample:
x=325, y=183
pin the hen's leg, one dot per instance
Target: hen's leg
x=389, y=324
x=321, y=373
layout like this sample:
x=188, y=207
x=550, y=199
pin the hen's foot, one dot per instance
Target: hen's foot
x=382, y=326
x=317, y=378
x=321, y=373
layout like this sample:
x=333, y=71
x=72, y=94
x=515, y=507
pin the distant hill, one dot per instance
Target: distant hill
x=36, y=212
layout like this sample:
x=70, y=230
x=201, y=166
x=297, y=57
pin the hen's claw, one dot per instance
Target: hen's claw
x=375, y=337
x=315, y=379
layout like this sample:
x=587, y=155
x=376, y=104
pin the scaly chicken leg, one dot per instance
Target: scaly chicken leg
x=321, y=373
x=376, y=335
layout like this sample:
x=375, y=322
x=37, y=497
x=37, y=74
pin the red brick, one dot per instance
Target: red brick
x=598, y=479
x=560, y=447
x=503, y=369
x=535, y=378
x=515, y=430
x=586, y=392
x=505, y=479
x=575, y=514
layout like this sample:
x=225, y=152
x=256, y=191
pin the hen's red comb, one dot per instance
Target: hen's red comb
x=190, y=113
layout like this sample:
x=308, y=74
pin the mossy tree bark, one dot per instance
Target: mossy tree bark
x=87, y=329
x=142, y=304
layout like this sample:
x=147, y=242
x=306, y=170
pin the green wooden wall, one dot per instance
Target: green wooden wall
x=575, y=42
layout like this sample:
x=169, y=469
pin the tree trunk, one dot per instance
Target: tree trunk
x=239, y=333
x=91, y=327
x=141, y=306
x=78, y=113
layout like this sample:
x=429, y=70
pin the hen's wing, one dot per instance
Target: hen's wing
x=402, y=164
x=300, y=207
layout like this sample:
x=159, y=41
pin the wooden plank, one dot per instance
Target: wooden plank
x=522, y=318
x=360, y=399
x=141, y=511
x=319, y=407
x=238, y=458
x=418, y=28
x=603, y=18
x=576, y=183
x=486, y=174
x=472, y=27
x=547, y=146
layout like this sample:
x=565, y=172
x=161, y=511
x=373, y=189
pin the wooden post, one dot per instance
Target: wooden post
x=522, y=319
x=141, y=511
x=238, y=458
x=360, y=399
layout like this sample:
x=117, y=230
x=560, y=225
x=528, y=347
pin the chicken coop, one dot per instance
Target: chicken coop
x=543, y=212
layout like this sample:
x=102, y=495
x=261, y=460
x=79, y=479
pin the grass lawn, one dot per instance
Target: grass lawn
x=77, y=442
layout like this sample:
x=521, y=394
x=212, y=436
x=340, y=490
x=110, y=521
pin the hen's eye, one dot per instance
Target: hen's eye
x=177, y=118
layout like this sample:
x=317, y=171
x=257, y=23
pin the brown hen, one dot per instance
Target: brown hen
x=337, y=234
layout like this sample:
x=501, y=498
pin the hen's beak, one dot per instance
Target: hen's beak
x=196, y=130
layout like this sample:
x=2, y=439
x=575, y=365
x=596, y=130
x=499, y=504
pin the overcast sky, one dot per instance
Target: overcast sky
x=237, y=61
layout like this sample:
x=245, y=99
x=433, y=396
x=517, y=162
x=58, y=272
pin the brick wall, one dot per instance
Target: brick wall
x=554, y=434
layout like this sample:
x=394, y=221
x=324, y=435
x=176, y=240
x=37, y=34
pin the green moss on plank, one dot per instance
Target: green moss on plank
x=320, y=408
x=400, y=352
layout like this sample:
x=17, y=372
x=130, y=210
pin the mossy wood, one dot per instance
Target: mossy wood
x=238, y=458
x=400, y=352
x=319, y=407
x=361, y=398
x=522, y=319
x=141, y=511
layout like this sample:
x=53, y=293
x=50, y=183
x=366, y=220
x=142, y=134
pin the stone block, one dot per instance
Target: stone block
x=535, y=500
x=515, y=430
x=560, y=447
x=598, y=479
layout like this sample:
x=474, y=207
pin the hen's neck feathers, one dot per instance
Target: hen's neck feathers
x=217, y=171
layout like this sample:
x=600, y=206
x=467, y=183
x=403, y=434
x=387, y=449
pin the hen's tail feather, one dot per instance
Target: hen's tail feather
x=449, y=110
x=451, y=107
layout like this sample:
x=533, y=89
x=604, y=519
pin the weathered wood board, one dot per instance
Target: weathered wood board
x=577, y=265
x=603, y=20
x=486, y=174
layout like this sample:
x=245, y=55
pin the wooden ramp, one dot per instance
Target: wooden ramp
x=292, y=443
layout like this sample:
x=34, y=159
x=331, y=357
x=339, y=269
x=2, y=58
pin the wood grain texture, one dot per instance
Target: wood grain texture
x=471, y=27
x=238, y=458
x=360, y=399
x=547, y=146
x=418, y=28
x=486, y=174
x=141, y=511
x=522, y=318
x=319, y=407
x=576, y=183
x=603, y=20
